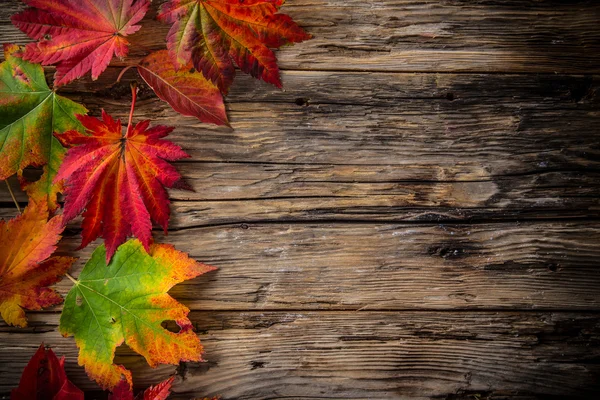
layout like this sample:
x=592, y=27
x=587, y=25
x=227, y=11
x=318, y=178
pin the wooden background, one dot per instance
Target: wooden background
x=415, y=216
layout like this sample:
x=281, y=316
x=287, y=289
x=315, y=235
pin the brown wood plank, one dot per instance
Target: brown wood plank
x=523, y=147
x=395, y=149
x=368, y=355
x=497, y=139
x=379, y=89
x=243, y=193
x=409, y=35
x=543, y=126
x=349, y=266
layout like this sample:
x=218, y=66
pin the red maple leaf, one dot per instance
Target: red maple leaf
x=159, y=392
x=214, y=33
x=44, y=378
x=78, y=36
x=119, y=178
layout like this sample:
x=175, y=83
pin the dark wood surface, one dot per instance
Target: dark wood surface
x=416, y=215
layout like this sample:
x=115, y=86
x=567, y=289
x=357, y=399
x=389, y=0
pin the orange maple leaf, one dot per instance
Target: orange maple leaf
x=26, y=242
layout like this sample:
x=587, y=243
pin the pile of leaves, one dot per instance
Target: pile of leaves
x=115, y=176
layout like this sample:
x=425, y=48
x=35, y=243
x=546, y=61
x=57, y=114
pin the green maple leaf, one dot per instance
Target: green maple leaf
x=30, y=114
x=127, y=301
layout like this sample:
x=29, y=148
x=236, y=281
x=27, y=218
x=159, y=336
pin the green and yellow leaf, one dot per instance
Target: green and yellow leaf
x=30, y=114
x=127, y=301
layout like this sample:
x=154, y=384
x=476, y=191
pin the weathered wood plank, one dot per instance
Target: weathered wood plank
x=498, y=139
x=547, y=130
x=486, y=137
x=243, y=193
x=437, y=148
x=353, y=266
x=409, y=35
x=357, y=355
x=379, y=89
x=542, y=126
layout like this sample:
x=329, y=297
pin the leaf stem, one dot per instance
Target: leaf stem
x=13, y=196
x=71, y=278
x=123, y=73
x=134, y=91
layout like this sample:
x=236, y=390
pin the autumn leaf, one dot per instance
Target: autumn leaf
x=79, y=36
x=187, y=91
x=44, y=378
x=159, y=392
x=26, y=268
x=126, y=301
x=119, y=178
x=212, y=34
x=30, y=113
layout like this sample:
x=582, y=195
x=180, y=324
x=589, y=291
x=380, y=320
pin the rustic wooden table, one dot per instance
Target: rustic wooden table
x=417, y=214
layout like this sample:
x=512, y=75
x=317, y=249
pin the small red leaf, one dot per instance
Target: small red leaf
x=187, y=91
x=121, y=392
x=159, y=392
x=44, y=378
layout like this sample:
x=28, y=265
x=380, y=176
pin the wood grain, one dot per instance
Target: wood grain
x=409, y=35
x=366, y=355
x=415, y=216
x=523, y=147
x=508, y=129
x=308, y=87
x=477, y=134
x=493, y=138
x=252, y=193
x=366, y=266
x=523, y=142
